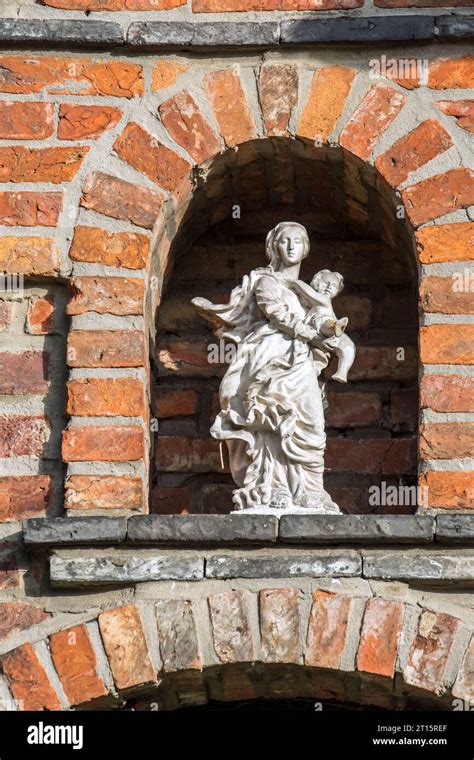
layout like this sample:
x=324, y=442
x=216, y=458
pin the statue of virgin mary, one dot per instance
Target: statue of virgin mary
x=272, y=416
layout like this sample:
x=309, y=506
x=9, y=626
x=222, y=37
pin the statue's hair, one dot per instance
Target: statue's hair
x=271, y=251
x=324, y=273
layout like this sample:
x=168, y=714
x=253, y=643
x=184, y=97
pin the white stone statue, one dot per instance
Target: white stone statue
x=271, y=397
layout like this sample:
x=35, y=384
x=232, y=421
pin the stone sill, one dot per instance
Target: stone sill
x=251, y=530
x=215, y=35
x=420, y=566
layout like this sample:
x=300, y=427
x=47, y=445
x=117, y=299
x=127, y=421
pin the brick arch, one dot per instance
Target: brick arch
x=127, y=190
x=273, y=643
x=203, y=128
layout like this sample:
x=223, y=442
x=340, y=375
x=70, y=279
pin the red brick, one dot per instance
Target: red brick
x=165, y=73
x=24, y=496
x=121, y=200
x=179, y=645
x=280, y=624
x=449, y=490
x=18, y=616
x=188, y=358
x=462, y=110
x=231, y=627
x=56, y=165
x=221, y=6
x=441, y=344
x=29, y=682
x=450, y=73
x=376, y=112
x=126, y=647
x=150, y=157
x=187, y=454
x=444, y=295
x=327, y=629
x=77, y=122
x=430, y=650
x=445, y=242
x=413, y=150
x=106, y=295
x=103, y=492
x=21, y=435
x=381, y=629
x=439, y=195
x=130, y=250
x=236, y=684
x=23, y=374
x=392, y=456
x=76, y=665
x=187, y=126
x=404, y=403
x=5, y=315
x=447, y=393
x=28, y=255
x=170, y=501
x=74, y=76
x=230, y=106
x=278, y=91
x=106, y=348
x=172, y=402
x=106, y=397
x=447, y=440
x=9, y=574
x=115, y=5
x=352, y=409
x=329, y=90
x=40, y=316
x=26, y=121
x=118, y=443
x=382, y=363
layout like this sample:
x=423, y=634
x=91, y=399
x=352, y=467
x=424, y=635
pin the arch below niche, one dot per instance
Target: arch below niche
x=274, y=641
x=357, y=227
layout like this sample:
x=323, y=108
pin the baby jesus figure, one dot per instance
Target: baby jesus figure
x=318, y=296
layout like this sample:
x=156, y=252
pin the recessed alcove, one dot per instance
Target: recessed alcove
x=356, y=226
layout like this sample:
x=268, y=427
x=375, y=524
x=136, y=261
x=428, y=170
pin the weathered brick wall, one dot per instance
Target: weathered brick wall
x=102, y=191
x=119, y=172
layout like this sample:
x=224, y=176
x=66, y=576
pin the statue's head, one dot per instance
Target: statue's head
x=327, y=282
x=287, y=244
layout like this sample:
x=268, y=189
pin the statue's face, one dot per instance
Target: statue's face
x=329, y=285
x=290, y=246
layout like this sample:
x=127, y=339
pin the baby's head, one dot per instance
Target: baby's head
x=327, y=282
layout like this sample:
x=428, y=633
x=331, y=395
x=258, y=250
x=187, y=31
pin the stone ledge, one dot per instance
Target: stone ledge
x=231, y=530
x=123, y=568
x=58, y=32
x=356, y=528
x=222, y=35
x=115, y=567
x=162, y=34
x=207, y=529
x=369, y=29
x=39, y=533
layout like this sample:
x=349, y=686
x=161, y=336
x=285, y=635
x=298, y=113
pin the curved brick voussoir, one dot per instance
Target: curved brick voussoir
x=245, y=644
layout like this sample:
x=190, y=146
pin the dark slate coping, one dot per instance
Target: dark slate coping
x=318, y=565
x=455, y=27
x=39, y=533
x=240, y=529
x=90, y=33
x=229, y=34
x=153, y=34
x=368, y=29
x=202, y=529
x=455, y=529
x=361, y=529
